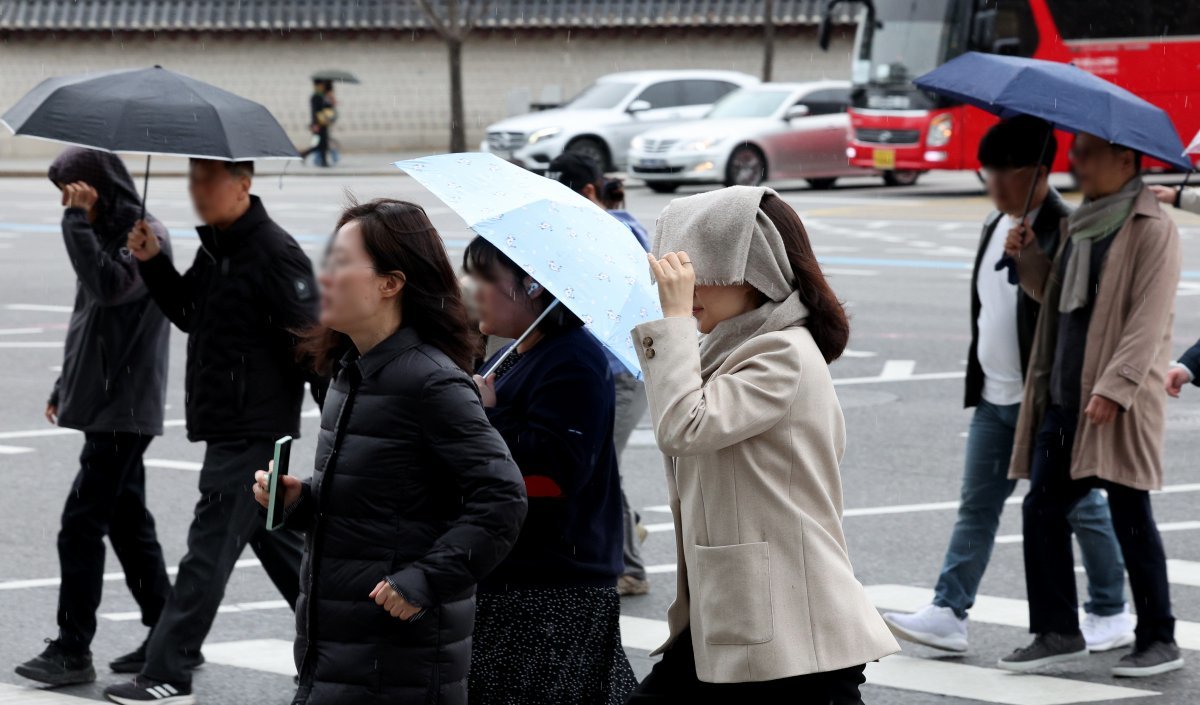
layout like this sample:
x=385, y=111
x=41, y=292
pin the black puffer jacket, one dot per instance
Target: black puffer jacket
x=249, y=286
x=411, y=485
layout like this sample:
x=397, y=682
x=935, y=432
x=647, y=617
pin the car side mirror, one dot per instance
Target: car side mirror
x=797, y=111
x=638, y=106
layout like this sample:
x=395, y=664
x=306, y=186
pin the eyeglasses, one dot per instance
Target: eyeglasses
x=997, y=174
x=336, y=265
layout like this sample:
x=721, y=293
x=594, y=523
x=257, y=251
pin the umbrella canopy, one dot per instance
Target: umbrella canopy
x=1066, y=96
x=582, y=255
x=335, y=75
x=1194, y=147
x=149, y=111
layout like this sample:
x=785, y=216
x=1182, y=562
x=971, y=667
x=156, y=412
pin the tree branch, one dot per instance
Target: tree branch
x=431, y=14
x=474, y=18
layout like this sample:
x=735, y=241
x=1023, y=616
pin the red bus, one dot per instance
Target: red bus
x=1149, y=47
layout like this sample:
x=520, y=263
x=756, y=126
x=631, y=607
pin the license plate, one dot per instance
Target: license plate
x=885, y=159
x=652, y=163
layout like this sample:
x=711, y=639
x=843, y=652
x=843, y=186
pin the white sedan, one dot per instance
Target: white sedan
x=775, y=131
x=601, y=120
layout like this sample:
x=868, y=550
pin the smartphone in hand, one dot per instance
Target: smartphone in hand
x=275, y=505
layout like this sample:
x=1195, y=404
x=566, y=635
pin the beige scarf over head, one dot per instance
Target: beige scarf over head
x=731, y=241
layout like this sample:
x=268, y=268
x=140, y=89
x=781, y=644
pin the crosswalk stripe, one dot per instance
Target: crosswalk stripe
x=1004, y=611
x=1183, y=572
x=270, y=655
x=19, y=695
x=223, y=609
x=172, y=464
x=642, y=633
x=990, y=685
x=14, y=450
x=108, y=577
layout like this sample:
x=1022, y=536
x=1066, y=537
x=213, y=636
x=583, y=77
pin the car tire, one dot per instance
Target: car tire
x=662, y=186
x=901, y=178
x=746, y=166
x=821, y=184
x=593, y=148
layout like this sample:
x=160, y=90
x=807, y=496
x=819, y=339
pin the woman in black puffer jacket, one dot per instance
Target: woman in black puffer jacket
x=414, y=497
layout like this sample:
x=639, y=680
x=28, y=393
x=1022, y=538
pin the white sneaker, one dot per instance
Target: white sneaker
x=1108, y=633
x=932, y=626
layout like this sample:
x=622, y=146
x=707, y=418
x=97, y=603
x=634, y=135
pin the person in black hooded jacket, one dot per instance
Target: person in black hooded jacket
x=415, y=497
x=249, y=288
x=113, y=388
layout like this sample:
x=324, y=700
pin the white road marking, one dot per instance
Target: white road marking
x=270, y=655
x=21, y=331
x=40, y=307
x=898, y=369
x=30, y=344
x=990, y=685
x=1004, y=611
x=108, y=577
x=18, y=695
x=642, y=633
x=839, y=381
x=665, y=508
x=223, y=609
x=858, y=353
x=172, y=464
x=846, y=272
x=14, y=450
x=1183, y=572
x=1163, y=527
x=656, y=528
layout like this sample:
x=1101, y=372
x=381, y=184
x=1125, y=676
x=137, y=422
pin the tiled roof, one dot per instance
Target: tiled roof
x=331, y=15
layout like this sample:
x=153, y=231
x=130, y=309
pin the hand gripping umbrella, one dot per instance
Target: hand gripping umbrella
x=149, y=111
x=1063, y=95
x=583, y=256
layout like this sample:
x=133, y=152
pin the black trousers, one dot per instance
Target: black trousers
x=226, y=519
x=673, y=680
x=1049, y=562
x=108, y=498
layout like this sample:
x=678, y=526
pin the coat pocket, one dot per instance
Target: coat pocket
x=735, y=593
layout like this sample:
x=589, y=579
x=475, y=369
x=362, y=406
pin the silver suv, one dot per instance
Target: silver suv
x=601, y=121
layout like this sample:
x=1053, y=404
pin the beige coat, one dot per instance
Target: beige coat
x=764, y=579
x=1127, y=354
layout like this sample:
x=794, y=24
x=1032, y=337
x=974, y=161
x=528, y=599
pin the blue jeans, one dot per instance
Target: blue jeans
x=985, y=487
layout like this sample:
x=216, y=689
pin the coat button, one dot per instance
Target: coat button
x=647, y=341
x=649, y=353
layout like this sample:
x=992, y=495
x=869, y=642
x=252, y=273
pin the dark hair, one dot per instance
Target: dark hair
x=1137, y=156
x=613, y=194
x=399, y=237
x=827, y=320
x=484, y=260
x=1017, y=142
x=575, y=171
x=237, y=169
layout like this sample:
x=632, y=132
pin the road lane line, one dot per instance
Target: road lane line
x=14, y=450
x=21, y=331
x=173, y=464
x=270, y=655
x=30, y=344
x=990, y=685
x=223, y=609
x=108, y=577
x=45, y=308
x=898, y=369
x=1004, y=611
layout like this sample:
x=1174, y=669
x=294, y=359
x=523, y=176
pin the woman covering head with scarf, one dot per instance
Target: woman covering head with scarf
x=752, y=434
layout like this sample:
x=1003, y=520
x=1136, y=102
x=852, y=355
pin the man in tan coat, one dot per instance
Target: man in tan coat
x=1093, y=407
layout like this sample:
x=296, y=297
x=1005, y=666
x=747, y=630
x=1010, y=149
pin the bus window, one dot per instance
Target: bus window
x=1004, y=27
x=1121, y=19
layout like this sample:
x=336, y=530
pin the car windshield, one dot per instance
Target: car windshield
x=911, y=37
x=748, y=104
x=600, y=96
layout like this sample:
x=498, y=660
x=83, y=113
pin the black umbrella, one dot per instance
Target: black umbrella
x=149, y=111
x=335, y=75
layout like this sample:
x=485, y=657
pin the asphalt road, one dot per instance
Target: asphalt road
x=899, y=257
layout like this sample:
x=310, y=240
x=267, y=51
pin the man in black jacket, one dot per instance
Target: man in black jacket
x=1002, y=325
x=249, y=289
x=112, y=387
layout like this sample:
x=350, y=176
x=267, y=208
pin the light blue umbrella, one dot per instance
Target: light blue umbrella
x=582, y=255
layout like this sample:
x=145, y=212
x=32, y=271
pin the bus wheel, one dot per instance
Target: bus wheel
x=901, y=178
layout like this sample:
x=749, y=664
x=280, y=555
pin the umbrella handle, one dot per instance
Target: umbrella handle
x=145, y=188
x=518, y=341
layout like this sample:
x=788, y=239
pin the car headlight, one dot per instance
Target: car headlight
x=637, y=142
x=941, y=129
x=542, y=134
x=701, y=144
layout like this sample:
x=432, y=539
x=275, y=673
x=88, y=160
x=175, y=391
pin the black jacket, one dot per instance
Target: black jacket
x=1045, y=229
x=114, y=374
x=248, y=288
x=1191, y=360
x=411, y=485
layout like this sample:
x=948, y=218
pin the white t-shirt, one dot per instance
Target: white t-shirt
x=999, y=348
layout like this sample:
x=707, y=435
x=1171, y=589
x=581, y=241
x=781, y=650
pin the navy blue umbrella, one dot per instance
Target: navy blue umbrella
x=1063, y=95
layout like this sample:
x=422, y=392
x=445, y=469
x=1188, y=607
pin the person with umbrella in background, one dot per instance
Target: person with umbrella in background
x=322, y=114
x=112, y=388
x=583, y=176
x=1093, y=408
x=1003, y=320
x=248, y=290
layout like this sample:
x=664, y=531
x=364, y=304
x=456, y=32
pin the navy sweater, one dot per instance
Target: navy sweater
x=555, y=411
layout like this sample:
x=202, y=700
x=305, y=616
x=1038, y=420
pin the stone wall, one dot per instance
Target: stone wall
x=403, y=101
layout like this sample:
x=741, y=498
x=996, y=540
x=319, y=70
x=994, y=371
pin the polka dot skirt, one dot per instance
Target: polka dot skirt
x=549, y=646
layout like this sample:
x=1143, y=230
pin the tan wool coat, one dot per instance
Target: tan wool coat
x=764, y=578
x=1127, y=353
